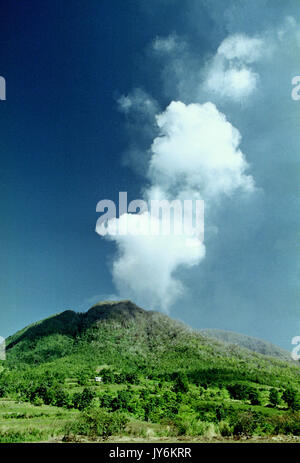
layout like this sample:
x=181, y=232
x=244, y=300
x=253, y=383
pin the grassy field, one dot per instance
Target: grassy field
x=24, y=422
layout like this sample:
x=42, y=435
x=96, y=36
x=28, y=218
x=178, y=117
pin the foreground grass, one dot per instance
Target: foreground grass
x=24, y=422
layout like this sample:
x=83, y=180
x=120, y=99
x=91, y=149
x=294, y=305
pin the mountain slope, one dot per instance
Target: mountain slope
x=126, y=337
x=242, y=340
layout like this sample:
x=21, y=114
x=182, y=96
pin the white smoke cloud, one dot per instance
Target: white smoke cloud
x=145, y=265
x=195, y=155
x=188, y=151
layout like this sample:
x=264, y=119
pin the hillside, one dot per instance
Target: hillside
x=123, y=335
x=113, y=323
x=242, y=340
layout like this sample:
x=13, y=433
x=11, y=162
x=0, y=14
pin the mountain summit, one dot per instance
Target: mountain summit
x=72, y=324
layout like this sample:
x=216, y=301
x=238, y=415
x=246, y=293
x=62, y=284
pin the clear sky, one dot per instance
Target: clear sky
x=106, y=96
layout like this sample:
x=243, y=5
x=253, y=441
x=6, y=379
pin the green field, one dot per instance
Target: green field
x=24, y=422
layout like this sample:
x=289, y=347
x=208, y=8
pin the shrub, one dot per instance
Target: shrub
x=97, y=422
x=14, y=436
x=243, y=423
x=136, y=429
x=38, y=401
x=289, y=423
x=225, y=429
x=190, y=426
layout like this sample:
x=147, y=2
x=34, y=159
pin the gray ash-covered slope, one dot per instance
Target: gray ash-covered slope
x=248, y=342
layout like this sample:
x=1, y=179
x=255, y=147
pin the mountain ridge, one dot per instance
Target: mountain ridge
x=73, y=324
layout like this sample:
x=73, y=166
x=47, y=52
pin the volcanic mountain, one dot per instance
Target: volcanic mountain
x=122, y=335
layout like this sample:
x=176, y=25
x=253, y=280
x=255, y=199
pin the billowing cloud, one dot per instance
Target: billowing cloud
x=145, y=265
x=195, y=155
x=198, y=149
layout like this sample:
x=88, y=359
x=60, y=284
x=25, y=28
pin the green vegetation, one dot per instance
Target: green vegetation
x=25, y=422
x=159, y=379
x=95, y=422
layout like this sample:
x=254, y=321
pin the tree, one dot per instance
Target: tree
x=84, y=399
x=243, y=423
x=181, y=383
x=122, y=401
x=291, y=397
x=238, y=391
x=108, y=376
x=106, y=400
x=274, y=397
x=132, y=377
x=83, y=378
x=95, y=422
x=254, y=397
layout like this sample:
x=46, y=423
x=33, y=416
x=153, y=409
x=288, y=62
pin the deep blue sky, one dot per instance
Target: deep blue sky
x=62, y=147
